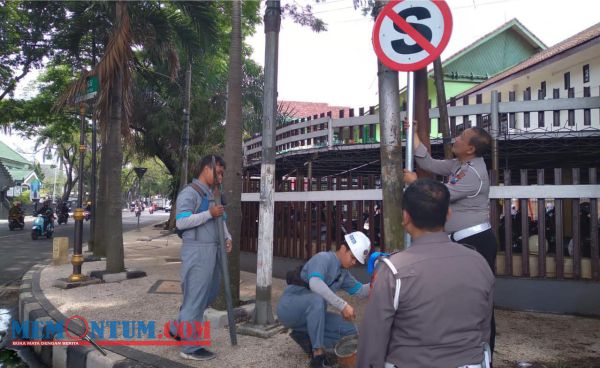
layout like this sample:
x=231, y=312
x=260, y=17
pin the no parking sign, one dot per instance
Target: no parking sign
x=410, y=34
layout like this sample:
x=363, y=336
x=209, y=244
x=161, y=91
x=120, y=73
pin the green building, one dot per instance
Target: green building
x=18, y=167
x=497, y=51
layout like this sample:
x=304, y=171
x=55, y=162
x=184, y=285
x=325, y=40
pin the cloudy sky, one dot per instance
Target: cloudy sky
x=340, y=67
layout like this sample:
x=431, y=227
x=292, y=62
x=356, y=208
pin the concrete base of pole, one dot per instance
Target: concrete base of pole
x=66, y=284
x=219, y=319
x=105, y=276
x=262, y=331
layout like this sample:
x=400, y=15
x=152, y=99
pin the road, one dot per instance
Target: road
x=18, y=253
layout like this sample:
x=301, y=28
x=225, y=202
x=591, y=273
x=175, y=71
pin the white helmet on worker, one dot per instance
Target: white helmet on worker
x=359, y=244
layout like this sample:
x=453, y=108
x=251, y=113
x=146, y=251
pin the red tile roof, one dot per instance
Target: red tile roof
x=299, y=109
x=570, y=43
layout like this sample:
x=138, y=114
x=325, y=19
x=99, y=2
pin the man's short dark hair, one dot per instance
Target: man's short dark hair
x=207, y=161
x=482, y=141
x=427, y=202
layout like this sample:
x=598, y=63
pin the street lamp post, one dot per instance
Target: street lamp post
x=77, y=258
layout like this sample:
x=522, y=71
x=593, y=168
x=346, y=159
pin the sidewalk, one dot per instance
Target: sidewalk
x=522, y=336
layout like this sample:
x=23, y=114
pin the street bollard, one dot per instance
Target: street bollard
x=60, y=251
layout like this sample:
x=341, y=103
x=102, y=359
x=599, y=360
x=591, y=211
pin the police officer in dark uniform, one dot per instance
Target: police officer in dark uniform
x=430, y=304
x=469, y=188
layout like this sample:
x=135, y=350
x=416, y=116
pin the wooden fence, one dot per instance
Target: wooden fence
x=311, y=215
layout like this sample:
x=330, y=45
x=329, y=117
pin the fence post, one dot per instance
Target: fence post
x=558, y=212
x=524, y=208
x=507, y=229
x=495, y=132
x=541, y=228
x=594, y=229
x=576, y=240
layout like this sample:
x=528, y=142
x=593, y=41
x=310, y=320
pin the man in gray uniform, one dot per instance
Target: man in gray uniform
x=303, y=308
x=469, y=188
x=200, y=271
x=431, y=306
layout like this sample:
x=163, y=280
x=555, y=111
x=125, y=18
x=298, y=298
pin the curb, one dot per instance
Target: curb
x=33, y=306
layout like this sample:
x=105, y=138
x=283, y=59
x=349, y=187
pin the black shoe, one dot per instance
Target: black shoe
x=302, y=339
x=320, y=361
x=200, y=354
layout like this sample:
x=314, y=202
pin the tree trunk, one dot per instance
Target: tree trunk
x=232, y=180
x=421, y=105
x=113, y=224
x=100, y=236
x=441, y=104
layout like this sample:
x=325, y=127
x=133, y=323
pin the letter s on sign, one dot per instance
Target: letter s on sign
x=400, y=46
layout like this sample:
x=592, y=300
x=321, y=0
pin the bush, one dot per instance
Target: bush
x=23, y=198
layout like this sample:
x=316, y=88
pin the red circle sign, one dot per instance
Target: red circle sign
x=410, y=34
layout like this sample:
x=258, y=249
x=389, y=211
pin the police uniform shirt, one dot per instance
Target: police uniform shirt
x=469, y=188
x=444, y=309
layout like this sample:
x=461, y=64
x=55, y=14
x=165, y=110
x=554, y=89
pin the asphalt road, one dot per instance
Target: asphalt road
x=18, y=253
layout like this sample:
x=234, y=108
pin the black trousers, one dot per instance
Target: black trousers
x=486, y=244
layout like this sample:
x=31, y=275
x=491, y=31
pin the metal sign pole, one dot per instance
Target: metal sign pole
x=410, y=112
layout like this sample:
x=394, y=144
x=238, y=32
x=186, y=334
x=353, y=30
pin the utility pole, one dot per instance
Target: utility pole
x=185, y=141
x=392, y=178
x=263, y=314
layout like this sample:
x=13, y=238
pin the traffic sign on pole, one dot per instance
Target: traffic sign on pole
x=410, y=34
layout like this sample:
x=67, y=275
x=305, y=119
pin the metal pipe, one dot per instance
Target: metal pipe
x=223, y=258
x=410, y=113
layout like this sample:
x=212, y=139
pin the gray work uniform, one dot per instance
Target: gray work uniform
x=200, y=271
x=469, y=188
x=303, y=310
x=444, y=309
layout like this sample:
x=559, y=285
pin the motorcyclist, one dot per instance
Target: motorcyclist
x=47, y=213
x=16, y=212
x=62, y=210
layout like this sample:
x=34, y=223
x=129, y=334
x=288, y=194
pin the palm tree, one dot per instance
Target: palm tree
x=233, y=146
x=158, y=30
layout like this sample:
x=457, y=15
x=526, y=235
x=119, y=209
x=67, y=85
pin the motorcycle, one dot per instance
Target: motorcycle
x=86, y=215
x=39, y=229
x=63, y=218
x=16, y=222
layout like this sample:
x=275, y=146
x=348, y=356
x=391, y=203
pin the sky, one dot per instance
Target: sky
x=339, y=66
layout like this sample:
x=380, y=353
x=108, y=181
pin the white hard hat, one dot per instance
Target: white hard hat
x=359, y=244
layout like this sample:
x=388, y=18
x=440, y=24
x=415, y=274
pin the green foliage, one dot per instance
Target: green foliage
x=23, y=198
x=37, y=168
x=26, y=29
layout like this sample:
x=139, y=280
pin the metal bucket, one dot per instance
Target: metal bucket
x=345, y=351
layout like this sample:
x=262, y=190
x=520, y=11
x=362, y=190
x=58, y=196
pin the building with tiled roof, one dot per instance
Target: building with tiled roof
x=18, y=167
x=493, y=53
x=301, y=109
x=569, y=69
